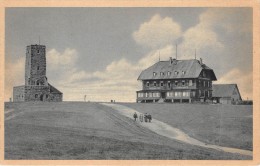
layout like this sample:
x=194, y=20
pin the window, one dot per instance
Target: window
x=38, y=82
x=204, y=83
x=154, y=73
x=161, y=83
x=170, y=94
x=185, y=94
x=47, y=96
x=140, y=94
x=176, y=73
x=169, y=84
x=147, y=84
x=183, y=72
x=154, y=83
x=204, y=74
x=162, y=73
x=176, y=83
x=146, y=94
x=208, y=84
x=168, y=73
x=38, y=51
x=36, y=96
x=150, y=94
x=155, y=94
x=190, y=82
x=183, y=82
x=38, y=67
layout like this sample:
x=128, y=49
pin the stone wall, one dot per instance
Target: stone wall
x=18, y=93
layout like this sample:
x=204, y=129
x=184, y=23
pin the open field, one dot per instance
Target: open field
x=224, y=125
x=77, y=130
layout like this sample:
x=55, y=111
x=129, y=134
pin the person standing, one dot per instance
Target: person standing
x=135, y=116
x=145, y=117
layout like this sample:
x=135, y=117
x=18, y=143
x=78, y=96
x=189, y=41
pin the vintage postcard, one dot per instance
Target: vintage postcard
x=130, y=82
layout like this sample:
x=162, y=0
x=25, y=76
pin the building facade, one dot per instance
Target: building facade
x=176, y=81
x=226, y=94
x=36, y=86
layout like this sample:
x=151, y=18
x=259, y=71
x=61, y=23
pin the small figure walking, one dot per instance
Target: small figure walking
x=141, y=117
x=149, y=117
x=135, y=116
x=145, y=117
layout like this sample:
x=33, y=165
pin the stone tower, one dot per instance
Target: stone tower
x=35, y=65
x=36, y=86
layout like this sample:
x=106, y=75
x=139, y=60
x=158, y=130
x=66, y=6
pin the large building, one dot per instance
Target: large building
x=226, y=94
x=36, y=86
x=176, y=81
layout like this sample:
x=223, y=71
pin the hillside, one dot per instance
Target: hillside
x=225, y=125
x=77, y=130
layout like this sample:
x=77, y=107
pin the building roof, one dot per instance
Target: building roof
x=54, y=90
x=191, y=68
x=224, y=90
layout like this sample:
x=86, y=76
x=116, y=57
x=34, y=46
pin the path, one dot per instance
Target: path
x=173, y=133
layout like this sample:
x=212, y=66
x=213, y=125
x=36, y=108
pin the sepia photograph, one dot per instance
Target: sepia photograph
x=128, y=83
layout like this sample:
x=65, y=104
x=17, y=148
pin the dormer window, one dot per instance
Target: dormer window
x=168, y=73
x=154, y=73
x=183, y=72
x=176, y=73
x=162, y=73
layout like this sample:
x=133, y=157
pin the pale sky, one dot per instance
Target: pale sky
x=100, y=52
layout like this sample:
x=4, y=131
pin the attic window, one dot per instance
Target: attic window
x=162, y=73
x=168, y=73
x=154, y=73
x=176, y=73
x=183, y=72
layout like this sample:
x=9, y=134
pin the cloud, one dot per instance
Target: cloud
x=157, y=32
x=244, y=80
x=14, y=75
x=118, y=81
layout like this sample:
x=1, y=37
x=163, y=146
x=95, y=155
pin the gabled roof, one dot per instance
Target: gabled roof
x=54, y=90
x=192, y=69
x=224, y=90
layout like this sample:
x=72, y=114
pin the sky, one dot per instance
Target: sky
x=100, y=52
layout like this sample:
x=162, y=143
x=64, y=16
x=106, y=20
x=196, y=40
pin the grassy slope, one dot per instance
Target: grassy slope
x=71, y=130
x=225, y=125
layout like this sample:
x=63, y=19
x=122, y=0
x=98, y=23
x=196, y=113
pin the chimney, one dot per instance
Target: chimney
x=201, y=61
x=170, y=60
